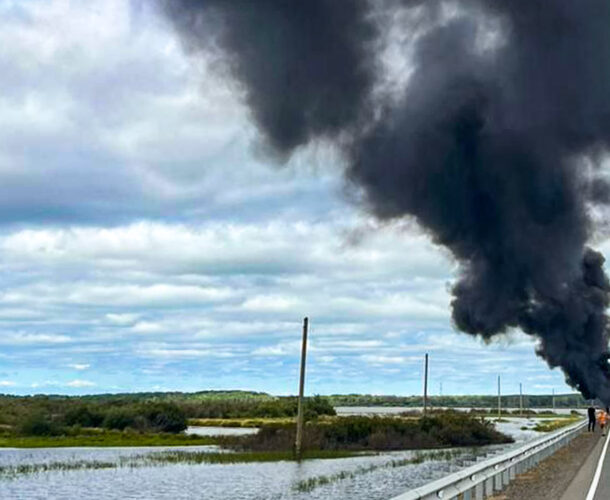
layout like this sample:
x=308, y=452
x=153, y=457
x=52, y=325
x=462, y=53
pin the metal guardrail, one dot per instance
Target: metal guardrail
x=490, y=476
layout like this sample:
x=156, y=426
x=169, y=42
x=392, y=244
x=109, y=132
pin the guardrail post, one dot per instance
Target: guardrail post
x=505, y=478
x=489, y=487
x=511, y=473
x=479, y=491
x=498, y=482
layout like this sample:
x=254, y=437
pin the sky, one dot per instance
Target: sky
x=148, y=244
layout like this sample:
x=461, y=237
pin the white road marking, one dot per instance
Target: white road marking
x=598, y=471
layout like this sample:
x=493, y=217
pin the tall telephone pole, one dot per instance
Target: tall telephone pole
x=426, y=384
x=499, y=399
x=299, y=440
x=520, y=399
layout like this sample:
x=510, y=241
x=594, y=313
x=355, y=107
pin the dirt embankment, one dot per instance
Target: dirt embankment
x=550, y=479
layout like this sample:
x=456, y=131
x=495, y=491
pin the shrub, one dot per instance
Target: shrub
x=39, y=425
x=119, y=418
x=84, y=417
x=378, y=433
x=317, y=406
x=164, y=417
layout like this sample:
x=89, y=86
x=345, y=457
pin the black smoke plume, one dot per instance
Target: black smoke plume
x=494, y=145
x=307, y=67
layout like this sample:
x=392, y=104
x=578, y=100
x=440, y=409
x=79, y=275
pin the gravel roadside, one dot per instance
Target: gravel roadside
x=552, y=476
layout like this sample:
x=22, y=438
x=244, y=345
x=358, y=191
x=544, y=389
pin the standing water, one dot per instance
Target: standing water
x=127, y=473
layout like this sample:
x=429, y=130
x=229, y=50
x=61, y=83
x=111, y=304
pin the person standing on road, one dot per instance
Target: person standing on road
x=591, y=413
x=602, y=417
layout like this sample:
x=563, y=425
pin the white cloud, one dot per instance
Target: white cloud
x=7, y=383
x=147, y=327
x=234, y=247
x=78, y=383
x=282, y=349
x=122, y=319
x=80, y=366
x=25, y=338
x=384, y=360
x=271, y=304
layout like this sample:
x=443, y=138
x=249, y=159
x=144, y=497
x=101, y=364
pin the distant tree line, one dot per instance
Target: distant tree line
x=281, y=407
x=168, y=412
x=55, y=415
x=58, y=418
x=511, y=401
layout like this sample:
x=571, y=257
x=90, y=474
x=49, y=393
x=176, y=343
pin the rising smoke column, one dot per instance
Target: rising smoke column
x=493, y=146
x=307, y=67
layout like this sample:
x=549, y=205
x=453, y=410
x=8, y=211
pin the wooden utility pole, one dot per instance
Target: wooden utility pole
x=426, y=384
x=299, y=439
x=520, y=399
x=499, y=399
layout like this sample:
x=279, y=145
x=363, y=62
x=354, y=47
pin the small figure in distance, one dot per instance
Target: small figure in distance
x=602, y=417
x=591, y=414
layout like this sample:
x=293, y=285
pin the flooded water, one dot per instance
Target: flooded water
x=376, y=477
x=395, y=410
x=520, y=429
x=277, y=480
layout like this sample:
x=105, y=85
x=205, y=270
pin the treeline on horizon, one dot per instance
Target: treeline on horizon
x=508, y=401
x=55, y=415
x=43, y=415
x=249, y=399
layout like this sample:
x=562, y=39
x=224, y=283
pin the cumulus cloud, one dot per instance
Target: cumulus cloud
x=94, y=112
x=78, y=383
x=80, y=366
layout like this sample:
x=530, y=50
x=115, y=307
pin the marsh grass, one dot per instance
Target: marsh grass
x=106, y=438
x=187, y=457
x=310, y=484
x=12, y=471
x=553, y=425
x=167, y=458
x=239, y=422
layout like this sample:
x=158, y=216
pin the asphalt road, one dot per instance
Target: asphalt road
x=593, y=479
x=602, y=491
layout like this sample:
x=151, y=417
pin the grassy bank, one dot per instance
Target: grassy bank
x=105, y=438
x=239, y=422
x=553, y=425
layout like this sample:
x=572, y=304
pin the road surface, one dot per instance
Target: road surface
x=593, y=479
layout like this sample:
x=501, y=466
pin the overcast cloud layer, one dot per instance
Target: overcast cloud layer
x=145, y=244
